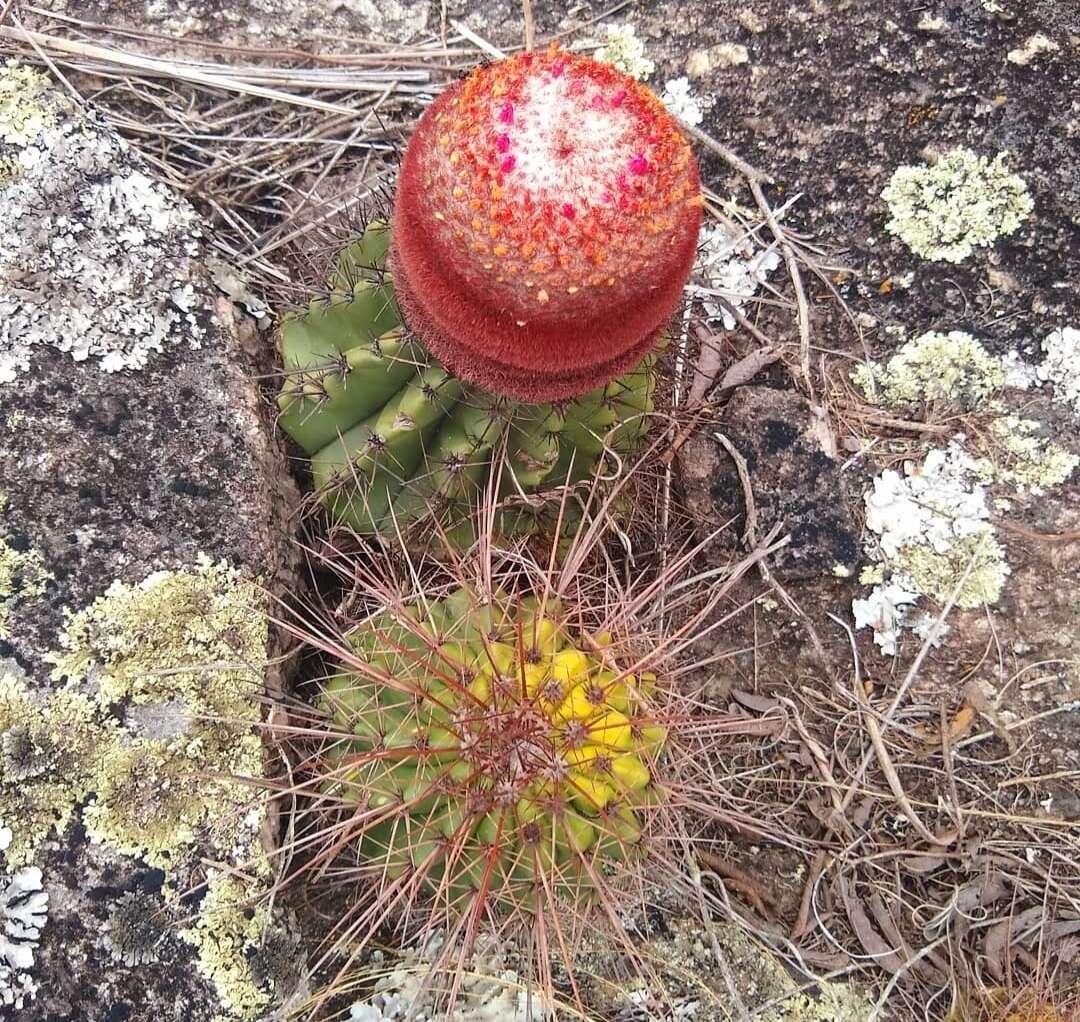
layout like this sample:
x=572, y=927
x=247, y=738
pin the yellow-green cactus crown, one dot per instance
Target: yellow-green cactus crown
x=491, y=749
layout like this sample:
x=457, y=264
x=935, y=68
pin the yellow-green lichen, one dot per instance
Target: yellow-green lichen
x=625, y=51
x=23, y=578
x=189, y=647
x=937, y=574
x=10, y=170
x=935, y=367
x=963, y=201
x=1024, y=458
x=23, y=113
x=227, y=932
x=50, y=753
x=872, y=574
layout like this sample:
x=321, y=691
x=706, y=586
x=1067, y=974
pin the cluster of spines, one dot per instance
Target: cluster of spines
x=488, y=751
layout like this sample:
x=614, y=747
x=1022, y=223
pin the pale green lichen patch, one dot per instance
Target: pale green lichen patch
x=24, y=110
x=10, y=170
x=228, y=932
x=626, y=51
x=186, y=648
x=944, y=211
x=935, y=367
x=1022, y=457
x=23, y=579
x=973, y=567
x=50, y=753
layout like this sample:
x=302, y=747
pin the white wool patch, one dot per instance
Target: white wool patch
x=564, y=148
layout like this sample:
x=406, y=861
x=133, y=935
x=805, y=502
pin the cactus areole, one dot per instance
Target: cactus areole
x=545, y=223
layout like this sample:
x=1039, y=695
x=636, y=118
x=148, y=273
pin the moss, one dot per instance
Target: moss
x=952, y=367
x=23, y=113
x=23, y=578
x=945, y=211
x=193, y=640
x=1030, y=462
x=51, y=751
x=937, y=574
x=227, y=934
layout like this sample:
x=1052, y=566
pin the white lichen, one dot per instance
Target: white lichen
x=489, y=992
x=952, y=367
x=1033, y=46
x=626, y=52
x=230, y=280
x=963, y=201
x=731, y=266
x=1061, y=366
x=1019, y=374
x=930, y=536
x=95, y=257
x=681, y=101
x=24, y=906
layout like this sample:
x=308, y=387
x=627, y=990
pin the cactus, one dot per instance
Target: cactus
x=395, y=440
x=489, y=751
x=545, y=223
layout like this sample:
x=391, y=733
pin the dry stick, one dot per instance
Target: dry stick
x=913, y=671
x=171, y=69
x=796, y=280
x=488, y=48
x=1053, y=538
x=751, y=173
x=42, y=55
x=332, y=162
x=884, y=759
x=7, y=9
x=750, y=539
x=802, y=920
x=718, y=954
x=530, y=29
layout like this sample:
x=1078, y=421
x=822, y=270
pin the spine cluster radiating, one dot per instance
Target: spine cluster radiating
x=546, y=220
x=488, y=747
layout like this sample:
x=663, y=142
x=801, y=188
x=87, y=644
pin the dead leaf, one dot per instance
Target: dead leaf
x=999, y=940
x=872, y=942
x=922, y=862
x=748, y=367
x=889, y=926
x=759, y=704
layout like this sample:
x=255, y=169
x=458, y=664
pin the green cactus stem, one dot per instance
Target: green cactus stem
x=397, y=443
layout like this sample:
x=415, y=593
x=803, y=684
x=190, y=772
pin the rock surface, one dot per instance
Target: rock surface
x=794, y=475
x=143, y=505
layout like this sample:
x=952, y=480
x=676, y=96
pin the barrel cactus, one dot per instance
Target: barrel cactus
x=396, y=442
x=491, y=752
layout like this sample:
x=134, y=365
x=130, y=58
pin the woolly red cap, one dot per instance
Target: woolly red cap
x=546, y=220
